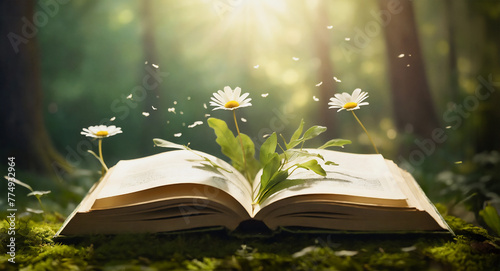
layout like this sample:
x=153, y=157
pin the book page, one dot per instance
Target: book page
x=176, y=167
x=357, y=175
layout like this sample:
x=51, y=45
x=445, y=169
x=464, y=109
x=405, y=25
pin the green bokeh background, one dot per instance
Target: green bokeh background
x=93, y=57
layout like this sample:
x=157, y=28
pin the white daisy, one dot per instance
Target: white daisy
x=101, y=131
x=230, y=99
x=348, y=102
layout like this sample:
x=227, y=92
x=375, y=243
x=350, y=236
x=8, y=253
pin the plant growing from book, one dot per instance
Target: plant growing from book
x=277, y=167
x=277, y=161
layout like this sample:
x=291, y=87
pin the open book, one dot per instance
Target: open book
x=174, y=191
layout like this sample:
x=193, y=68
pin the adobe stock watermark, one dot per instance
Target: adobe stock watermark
x=120, y=107
x=453, y=118
x=364, y=36
x=30, y=27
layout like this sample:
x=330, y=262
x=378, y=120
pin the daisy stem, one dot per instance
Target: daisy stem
x=369, y=137
x=241, y=143
x=104, y=167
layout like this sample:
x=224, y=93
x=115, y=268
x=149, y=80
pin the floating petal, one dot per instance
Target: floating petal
x=196, y=123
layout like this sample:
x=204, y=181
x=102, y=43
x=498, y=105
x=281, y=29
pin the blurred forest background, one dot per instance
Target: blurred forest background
x=431, y=69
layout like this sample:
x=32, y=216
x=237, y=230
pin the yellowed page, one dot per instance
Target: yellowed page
x=356, y=175
x=176, y=167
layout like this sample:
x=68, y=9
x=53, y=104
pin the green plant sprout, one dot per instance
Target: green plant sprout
x=242, y=159
x=36, y=194
x=276, y=168
x=232, y=100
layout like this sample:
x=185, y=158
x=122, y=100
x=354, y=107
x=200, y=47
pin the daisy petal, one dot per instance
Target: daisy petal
x=223, y=99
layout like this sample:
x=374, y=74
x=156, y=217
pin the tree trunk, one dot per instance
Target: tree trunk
x=151, y=128
x=23, y=133
x=452, y=56
x=412, y=101
x=322, y=50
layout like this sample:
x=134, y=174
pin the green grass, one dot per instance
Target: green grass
x=36, y=249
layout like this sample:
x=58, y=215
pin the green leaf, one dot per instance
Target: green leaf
x=491, y=217
x=294, y=154
x=230, y=146
x=268, y=149
x=277, y=178
x=335, y=143
x=269, y=170
x=284, y=184
x=167, y=144
x=294, y=143
x=296, y=134
x=313, y=132
x=248, y=145
x=314, y=166
x=253, y=166
x=330, y=163
x=309, y=134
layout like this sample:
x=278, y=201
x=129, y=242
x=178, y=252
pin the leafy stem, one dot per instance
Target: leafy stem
x=277, y=168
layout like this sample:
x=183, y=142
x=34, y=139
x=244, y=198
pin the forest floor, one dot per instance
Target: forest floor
x=472, y=248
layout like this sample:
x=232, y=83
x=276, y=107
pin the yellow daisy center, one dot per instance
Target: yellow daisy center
x=102, y=133
x=232, y=104
x=350, y=105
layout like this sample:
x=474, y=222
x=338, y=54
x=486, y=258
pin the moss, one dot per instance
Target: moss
x=460, y=227
x=460, y=255
x=37, y=250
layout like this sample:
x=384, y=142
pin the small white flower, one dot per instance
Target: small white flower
x=230, y=99
x=348, y=102
x=101, y=131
